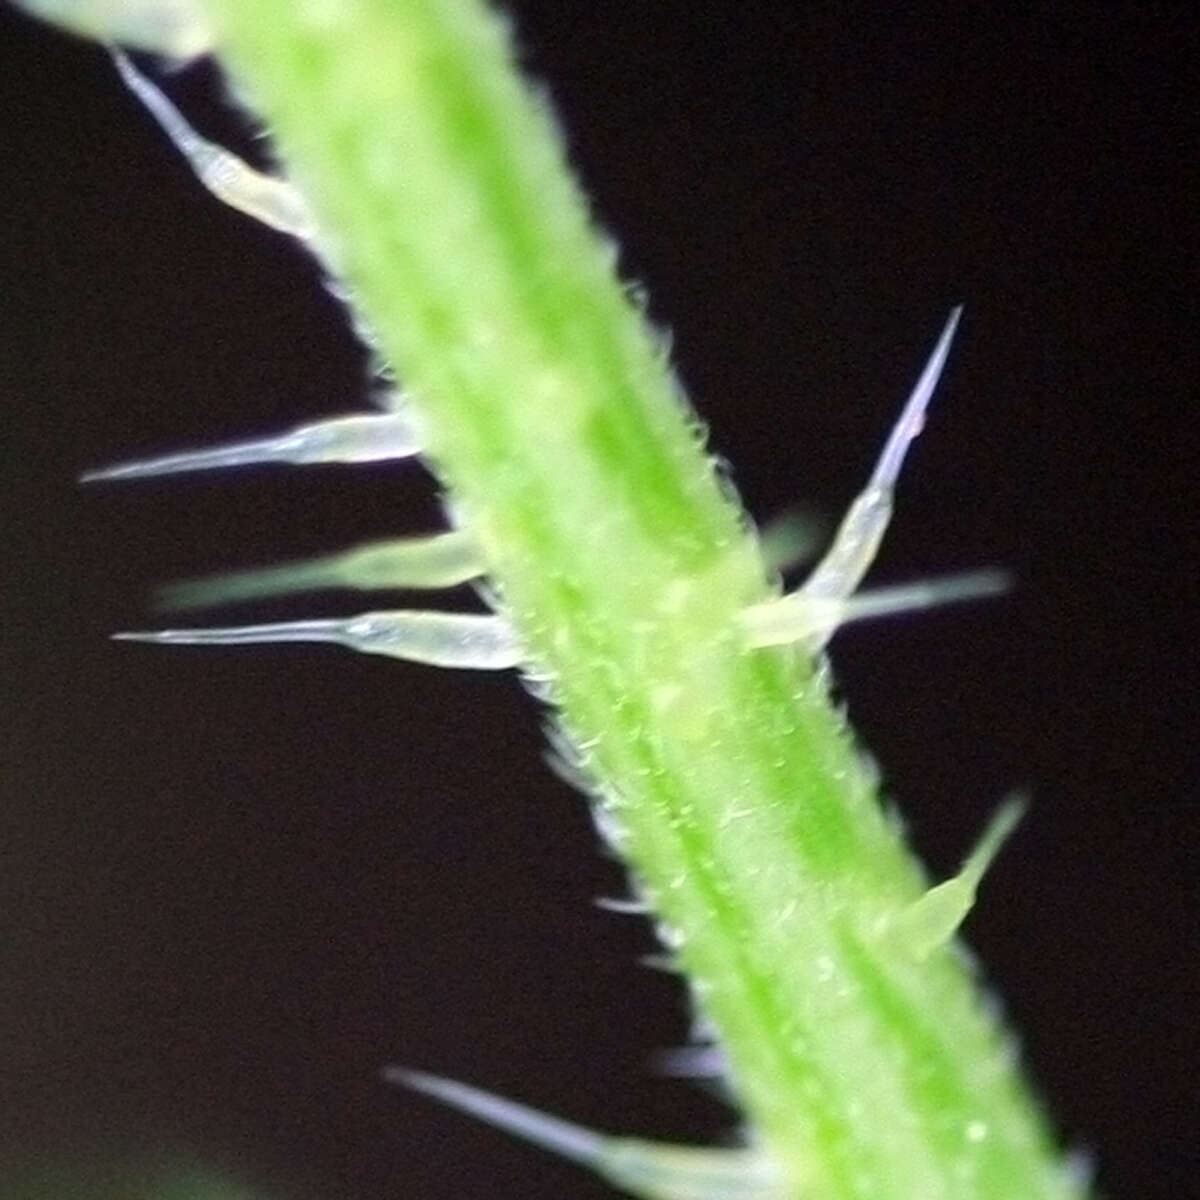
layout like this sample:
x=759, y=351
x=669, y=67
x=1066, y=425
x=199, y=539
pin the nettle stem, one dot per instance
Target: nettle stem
x=857, y=1041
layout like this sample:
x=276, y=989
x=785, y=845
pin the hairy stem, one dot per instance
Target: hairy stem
x=734, y=787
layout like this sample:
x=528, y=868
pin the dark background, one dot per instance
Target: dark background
x=234, y=884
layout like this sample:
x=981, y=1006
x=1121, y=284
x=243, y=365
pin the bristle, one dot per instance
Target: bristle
x=654, y=1170
x=463, y=640
x=813, y=620
x=564, y=1138
x=374, y=437
x=625, y=908
x=442, y=560
x=933, y=919
x=693, y=1062
x=912, y=418
x=858, y=537
x=273, y=201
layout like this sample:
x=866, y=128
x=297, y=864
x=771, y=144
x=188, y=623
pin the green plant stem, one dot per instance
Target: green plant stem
x=556, y=423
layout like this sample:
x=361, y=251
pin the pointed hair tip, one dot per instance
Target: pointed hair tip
x=400, y=1076
x=952, y=320
x=990, y=581
x=1012, y=811
x=124, y=471
x=1019, y=800
x=434, y=1086
x=438, y=1086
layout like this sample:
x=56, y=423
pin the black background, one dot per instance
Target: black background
x=234, y=884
